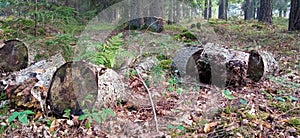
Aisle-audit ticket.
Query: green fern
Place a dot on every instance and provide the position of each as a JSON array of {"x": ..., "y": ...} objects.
[{"x": 105, "y": 52}]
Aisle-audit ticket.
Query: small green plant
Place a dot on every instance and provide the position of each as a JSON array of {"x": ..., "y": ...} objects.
[
  {"x": 157, "y": 72},
  {"x": 180, "y": 127},
  {"x": 87, "y": 99},
  {"x": 22, "y": 116},
  {"x": 295, "y": 122},
  {"x": 96, "y": 116},
  {"x": 174, "y": 85},
  {"x": 269, "y": 96},
  {"x": 227, "y": 94},
  {"x": 67, "y": 113},
  {"x": 227, "y": 110},
  {"x": 284, "y": 82}
]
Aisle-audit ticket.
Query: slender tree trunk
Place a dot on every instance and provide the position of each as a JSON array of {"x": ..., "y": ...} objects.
[
  {"x": 209, "y": 9},
  {"x": 178, "y": 10},
  {"x": 253, "y": 8},
  {"x": 221, "y": 14},
  {"x": 248, "y": 10},
  {"x": 265, "y": 11},
  {"x": 170, "y": 13},
  {"x": 226, "y": 9},
  {"x": 294, "y": 19},
  {"x": 280, "y": 13},
  {"x": 205, "y": 12},
  {"x": 284, "y": 13},
  {"x": 36, "y": 20}
]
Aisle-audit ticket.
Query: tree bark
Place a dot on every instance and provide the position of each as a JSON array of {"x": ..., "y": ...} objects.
[
  {"x": 205, "y": 12},
  {"x": 178, "y": 10},
  {"x": 209, "y": 9},
  {"x": 294, "y": 19},
  {"x": 211, "y": 64},
  {"x": 223, "y": 7},
  {"x": 248, "y": 10},
  {"x": 170, "y": 11},
  {"x": 265, "y": 11}
]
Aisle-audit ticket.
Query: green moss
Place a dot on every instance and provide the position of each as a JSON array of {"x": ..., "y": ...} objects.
[
  {"x": 186, "y": 36},
  {"x": 295, "y": 122},
  {"x": 174, "y": 27},
  {"x": 281, "y": 106},
  {"x": 250, "y": 116},
  {"x": 165, "y": 64}
]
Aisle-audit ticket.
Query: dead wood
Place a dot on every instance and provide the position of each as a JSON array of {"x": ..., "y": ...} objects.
[{"x": 13, "y": 56}]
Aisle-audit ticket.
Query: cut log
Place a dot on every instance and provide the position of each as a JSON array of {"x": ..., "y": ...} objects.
[
  {"x": 73, "y": 86},
  {"x": 13, "y": 55},
  {"x": 80, "y": 85},
  {"x": 213, "y": 64},
  {"x": 261, "y": 64},
  {"x": 28, "y": 87}
]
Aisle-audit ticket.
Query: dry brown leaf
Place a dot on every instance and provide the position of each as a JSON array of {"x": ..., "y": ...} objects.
[
  {"x": 263, "y": 123},
  {"x": 209, "y": 126},
  {"x": 53, "y": 125}
]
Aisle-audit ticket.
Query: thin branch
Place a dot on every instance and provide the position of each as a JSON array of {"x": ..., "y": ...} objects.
[
  {"x": 150, "y": 98},
  {"x": 295, "y": 108}
]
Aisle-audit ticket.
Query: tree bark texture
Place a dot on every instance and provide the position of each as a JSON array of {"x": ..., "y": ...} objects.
[
  {"x": 294, "y": 19},
  {"x": 265, "y": 11}
]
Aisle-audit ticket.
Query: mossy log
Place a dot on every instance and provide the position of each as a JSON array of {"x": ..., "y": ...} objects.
[
  {"x": 13, "y": 56},
  {"x": 213, "y": 64},
  {"x": 80, "y": 85}
]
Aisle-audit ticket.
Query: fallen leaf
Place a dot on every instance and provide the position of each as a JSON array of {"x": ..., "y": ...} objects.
[
  {"x": 252, "y": 111},
  {"x": 209, "y": 126},
  {"x": 227, "y": 94},
  {"x": 53, "y": 125}
]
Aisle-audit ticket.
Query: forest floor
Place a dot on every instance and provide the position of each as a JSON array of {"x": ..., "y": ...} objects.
[{"x": 268, "y": 108}]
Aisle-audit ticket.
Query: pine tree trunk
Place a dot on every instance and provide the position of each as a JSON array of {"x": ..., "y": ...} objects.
[
  {"x": 294, "y": 20},
  {"x": 223, "y": 8},
  {"x": 170, "y": 11},
  {"x": 178, "y": 10},
  {"x": 205, "y": 12},
  {"x": 248, "y": 10},
  {"x": 221, "y": 14},
  {"x": 265, "y": 11},
  {"x": 209, "y": 9}
]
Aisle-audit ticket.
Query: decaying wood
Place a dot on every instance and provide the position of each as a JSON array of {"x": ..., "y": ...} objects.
[
  {"x": 110, "y": 88},
  {"x": 213, "y": 64},
  {"x": 261, "y": 64},
  {"x": 13, "y": 56},
  {"x": 28, "y": 87},
  {"x": 80, "y": 85},
  {"x": 73, "y": 83}
]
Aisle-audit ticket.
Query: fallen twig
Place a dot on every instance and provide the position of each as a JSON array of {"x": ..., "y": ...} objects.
[
  {"x": 150, "y": 98},
  {"x": 288, "y": 111}
]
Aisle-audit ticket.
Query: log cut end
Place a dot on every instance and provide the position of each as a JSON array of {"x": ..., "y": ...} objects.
[
  {"x": 13, "y": 55},
  {"x": 261, "y": 64},
  {"x": 73, "y": 86}
]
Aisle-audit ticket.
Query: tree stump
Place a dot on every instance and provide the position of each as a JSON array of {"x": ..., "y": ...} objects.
[{"x": 13, "y": 55}]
